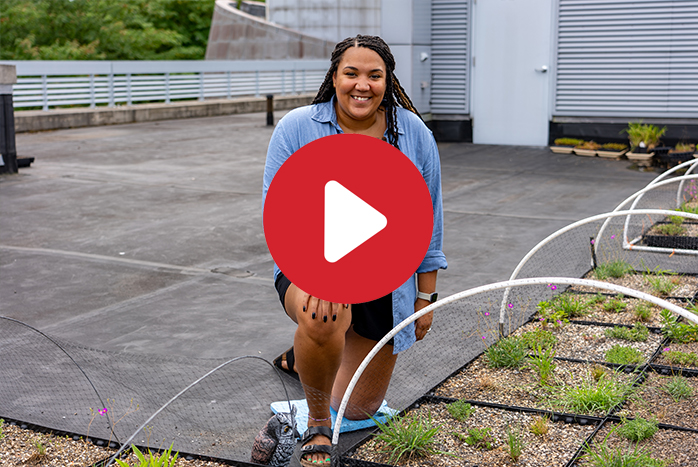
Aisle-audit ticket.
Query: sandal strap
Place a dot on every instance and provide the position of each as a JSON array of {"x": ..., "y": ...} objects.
[
  {"x": 313, "y": 448},
  {"x": 316, "y": 430}
]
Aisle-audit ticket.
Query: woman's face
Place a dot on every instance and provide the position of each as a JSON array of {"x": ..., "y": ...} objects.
[{"x": 359, "y": 82}]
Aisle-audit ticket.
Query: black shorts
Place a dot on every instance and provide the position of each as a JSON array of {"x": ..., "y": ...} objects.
[{"x": 371, "y": 320}]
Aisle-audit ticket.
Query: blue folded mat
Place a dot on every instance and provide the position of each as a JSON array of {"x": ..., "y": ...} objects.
[{"x": 383, "y": 414}]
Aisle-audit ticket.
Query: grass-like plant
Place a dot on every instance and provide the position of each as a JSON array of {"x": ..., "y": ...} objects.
[
  {"x": 598, "y": 372},
  {"x": 676, "y": 357},
  {"x": 542, "y": 361},
  {"x": 623, "y": 355},
  {"x": 540, "y": 337},
  {"x": 567, "y": 141},
  {"x": 614, "y": 146},
  {"x": 460, "y": 410},
  {"x": 615, "y": 269},
  {"x": 166, "y": 459},
  {"x": 678, "y": 332},
  {"x": 602, "y": 455},
  {"x": 638, "y": 429},
  {"x": 509, "y": 352},
  {"x": 673, "y": 230},
  {"x": 2, "y": 422},
  {"x": 408, "y": 436},
  {"x": 539, "y": 426},
  {"x": 643, "y": 312},
  {"x": 479, "y": 438},
  {"x": 615, "y": 305},
  {"x": 515, "y": 444},
  {"x": 571, "y": 305},
  {"x": 678, "y": 388},
  {"x": 592, "y": 396},
  {"x": 638, "y": 333},
  {"x": 661, "y": 284}
]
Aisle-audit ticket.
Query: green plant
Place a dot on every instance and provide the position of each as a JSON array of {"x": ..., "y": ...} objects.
[
  {"x": 542, "y": 362},
  {"x": 514, "y": 443},
  {"x": 685, "y": 147},
  {"x": 592, "y": 396},
  {"x": 672, "y": 230},
  {"x": 40, "y": 448},
  {"x": 479, "y": 438},
  {"x": 601, "y": 455},
  {"x": 623, "y": 355},
  {"x": 567, "y": 142},
  {"x": 678, "y": 332},
  {"x": 638, "y": 429},
  {"x": 614, "y": 146},
  {"x": 509, "y": 352},
  {"x": 615, "y": 305},
  {"x": 661, "y": 284},
  {"x": 615, "y": 269},
  {"x": 166, "y": 459},
  {"x": 408, "y": 436},
  {"x": 2, "y": 422},
  {"x": 678, "y": 388},
  {"x": 597, "y": 299},
  {"x": 598, "y": 372},
  {"x": 690, "y": 209},
  {"x": 643, "y": 312},
  {"x": 643, "y": 133},
  {"x": 675, "y": 357},
  {"x": 539, "y": 426},
  {"x": 460, "y": 410},
  {"x": 676, "y": 220},
  {"x": 638, "y": 333},
  {"x": 539, "y": 337}
]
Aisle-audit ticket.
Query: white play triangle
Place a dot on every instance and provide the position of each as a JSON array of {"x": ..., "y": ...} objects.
[{"x": 349, "y": 221}]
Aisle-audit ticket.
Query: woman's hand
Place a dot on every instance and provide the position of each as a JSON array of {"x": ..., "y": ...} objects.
[
  {"x": 423, "y": 324},
  {"x": 320, "y": 309}
]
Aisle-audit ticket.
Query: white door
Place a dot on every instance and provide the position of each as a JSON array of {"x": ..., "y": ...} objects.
[{"x": 511, "y": 71}]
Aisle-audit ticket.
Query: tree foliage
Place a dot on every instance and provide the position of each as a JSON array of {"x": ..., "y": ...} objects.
[{"x": 104, "y": 29}]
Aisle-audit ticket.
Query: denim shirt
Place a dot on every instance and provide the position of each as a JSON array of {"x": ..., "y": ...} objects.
[{"x": 306, "y": 124}]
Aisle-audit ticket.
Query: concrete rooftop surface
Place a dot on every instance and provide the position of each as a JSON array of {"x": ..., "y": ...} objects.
[{"x": 147, "y": 238}]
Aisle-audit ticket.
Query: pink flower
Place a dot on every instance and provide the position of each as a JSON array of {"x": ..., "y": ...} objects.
[
  {"x": 511, "y": 305},
  {"x": 552, "y": 286},
  {"x": 487, "y": 313},
  {"x": 612, "y": 237},
  {"x": 103, "y": 411},
  {"x": 483, "y": 337},
  {"x": 666, "y": 349},
  {"x": 592, "y": 241}
]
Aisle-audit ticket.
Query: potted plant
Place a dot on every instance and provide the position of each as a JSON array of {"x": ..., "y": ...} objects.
[
  {"x": 643, "y": 139},
  {"x": 681, "y": 153},
  {"x": 612, "y": 150},
  {"x": 565, "y": 145},
  {"x": 587, "y": 148}
]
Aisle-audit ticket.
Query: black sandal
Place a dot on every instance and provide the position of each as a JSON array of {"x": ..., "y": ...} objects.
[
  {"x": 310, "y": 449},
  {"x": 290, "y": 360}
]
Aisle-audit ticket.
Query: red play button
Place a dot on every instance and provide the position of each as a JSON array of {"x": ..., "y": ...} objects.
[{"x": 348, "y": 218}]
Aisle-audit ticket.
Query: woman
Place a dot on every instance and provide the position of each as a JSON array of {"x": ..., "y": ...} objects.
[{"x": 361, "y": 95}]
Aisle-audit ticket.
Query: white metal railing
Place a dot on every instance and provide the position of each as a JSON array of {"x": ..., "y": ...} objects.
[{"x": 48, "y": 83}]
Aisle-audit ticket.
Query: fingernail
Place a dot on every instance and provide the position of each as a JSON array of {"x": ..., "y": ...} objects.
[
  {"x": 334, "y": 317},
  {"x": 324, "y": 318},
  {"x": 313, "y": 315},
  {"x": 304, "y": 308},
  {"x": 346, "y": 306}
]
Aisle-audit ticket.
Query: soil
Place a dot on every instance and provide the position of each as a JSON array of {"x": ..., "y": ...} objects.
[
  {"x": 687, "y": 348},
  {"x": 686, "y": 286}
]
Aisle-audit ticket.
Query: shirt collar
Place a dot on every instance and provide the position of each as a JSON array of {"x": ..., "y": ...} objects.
[{"x": 324, "y": 113}]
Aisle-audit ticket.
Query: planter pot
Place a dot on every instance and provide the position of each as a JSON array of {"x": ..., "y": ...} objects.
[
  {"x": 585, "y": 152},
  {"x": 662, "y": 150},
  {"x": 667, "y": 241},
  {"x": 562, "y": 149},
  {"x": 675, "y": 158},
  {"x": 611, "y": 154},
  {"x": 641, "y": 159}
]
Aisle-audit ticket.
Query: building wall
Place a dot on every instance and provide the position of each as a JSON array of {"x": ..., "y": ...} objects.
[
  {"x": 331, "y": 20},
  {"x": 236, "y": 35}
]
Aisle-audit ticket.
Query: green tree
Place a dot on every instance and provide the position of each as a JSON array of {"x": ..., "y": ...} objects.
[{"x": 104, "y": 29}]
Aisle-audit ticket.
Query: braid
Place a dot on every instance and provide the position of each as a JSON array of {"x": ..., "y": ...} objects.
[{"x": 394, "y": 92}]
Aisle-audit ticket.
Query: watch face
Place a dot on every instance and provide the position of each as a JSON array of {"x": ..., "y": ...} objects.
[{"x": 434, "y": 297}]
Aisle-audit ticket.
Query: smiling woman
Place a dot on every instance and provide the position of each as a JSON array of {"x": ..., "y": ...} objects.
[{"x": 360, "y": 95}]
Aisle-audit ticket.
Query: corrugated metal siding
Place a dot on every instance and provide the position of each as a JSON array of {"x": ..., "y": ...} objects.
[
  {"x": 635, "y": 58},
  {"x": 450, "y": 55}
]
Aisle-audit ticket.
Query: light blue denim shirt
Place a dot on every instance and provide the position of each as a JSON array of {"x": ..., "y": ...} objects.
[{"x": 306, "y": 124}]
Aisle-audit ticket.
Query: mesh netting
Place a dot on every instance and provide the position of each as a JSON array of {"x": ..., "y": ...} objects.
[{"x": 64, "y": 387}]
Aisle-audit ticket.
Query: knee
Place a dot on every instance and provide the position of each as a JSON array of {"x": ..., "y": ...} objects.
[{"x": 321, "y": 333}]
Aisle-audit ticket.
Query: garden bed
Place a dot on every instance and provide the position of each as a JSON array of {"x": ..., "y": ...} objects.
[
  {"x": 681, "y": 355},
  {"x": 660, "y": 285}
]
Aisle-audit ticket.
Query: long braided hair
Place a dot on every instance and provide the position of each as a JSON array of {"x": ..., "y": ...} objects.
[{"x": 394, "y": 93}]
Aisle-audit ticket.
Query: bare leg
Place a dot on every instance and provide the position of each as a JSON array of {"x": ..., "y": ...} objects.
[
  {"x": 318, "y": 346},
  {"x": 369, "y": 392}
]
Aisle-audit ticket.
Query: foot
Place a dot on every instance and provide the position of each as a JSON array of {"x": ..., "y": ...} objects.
[
  {"x": 286, "y": 361},
  {"x": 316, "y": 446}
]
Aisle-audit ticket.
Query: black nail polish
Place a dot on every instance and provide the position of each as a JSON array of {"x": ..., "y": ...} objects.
[
  {"x": 303, "y": 307},
  {"x": 324, "y": 318},
  {"x": 346, "y": 306},
  {"x": 334, "y": 317},
  {"x": 313, "y": 316}
]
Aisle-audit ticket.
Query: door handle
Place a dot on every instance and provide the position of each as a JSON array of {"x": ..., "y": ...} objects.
[{"x": 543, "y": 69}]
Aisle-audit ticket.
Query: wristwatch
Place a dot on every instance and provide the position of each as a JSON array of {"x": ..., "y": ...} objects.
[{"x": 429, "y": 297}]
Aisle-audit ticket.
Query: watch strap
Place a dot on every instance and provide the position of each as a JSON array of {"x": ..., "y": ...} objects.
[{"x": 429, "y": 297}]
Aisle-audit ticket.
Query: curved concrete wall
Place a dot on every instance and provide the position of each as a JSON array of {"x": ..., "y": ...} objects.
[{"x": 236, "y": 35}]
